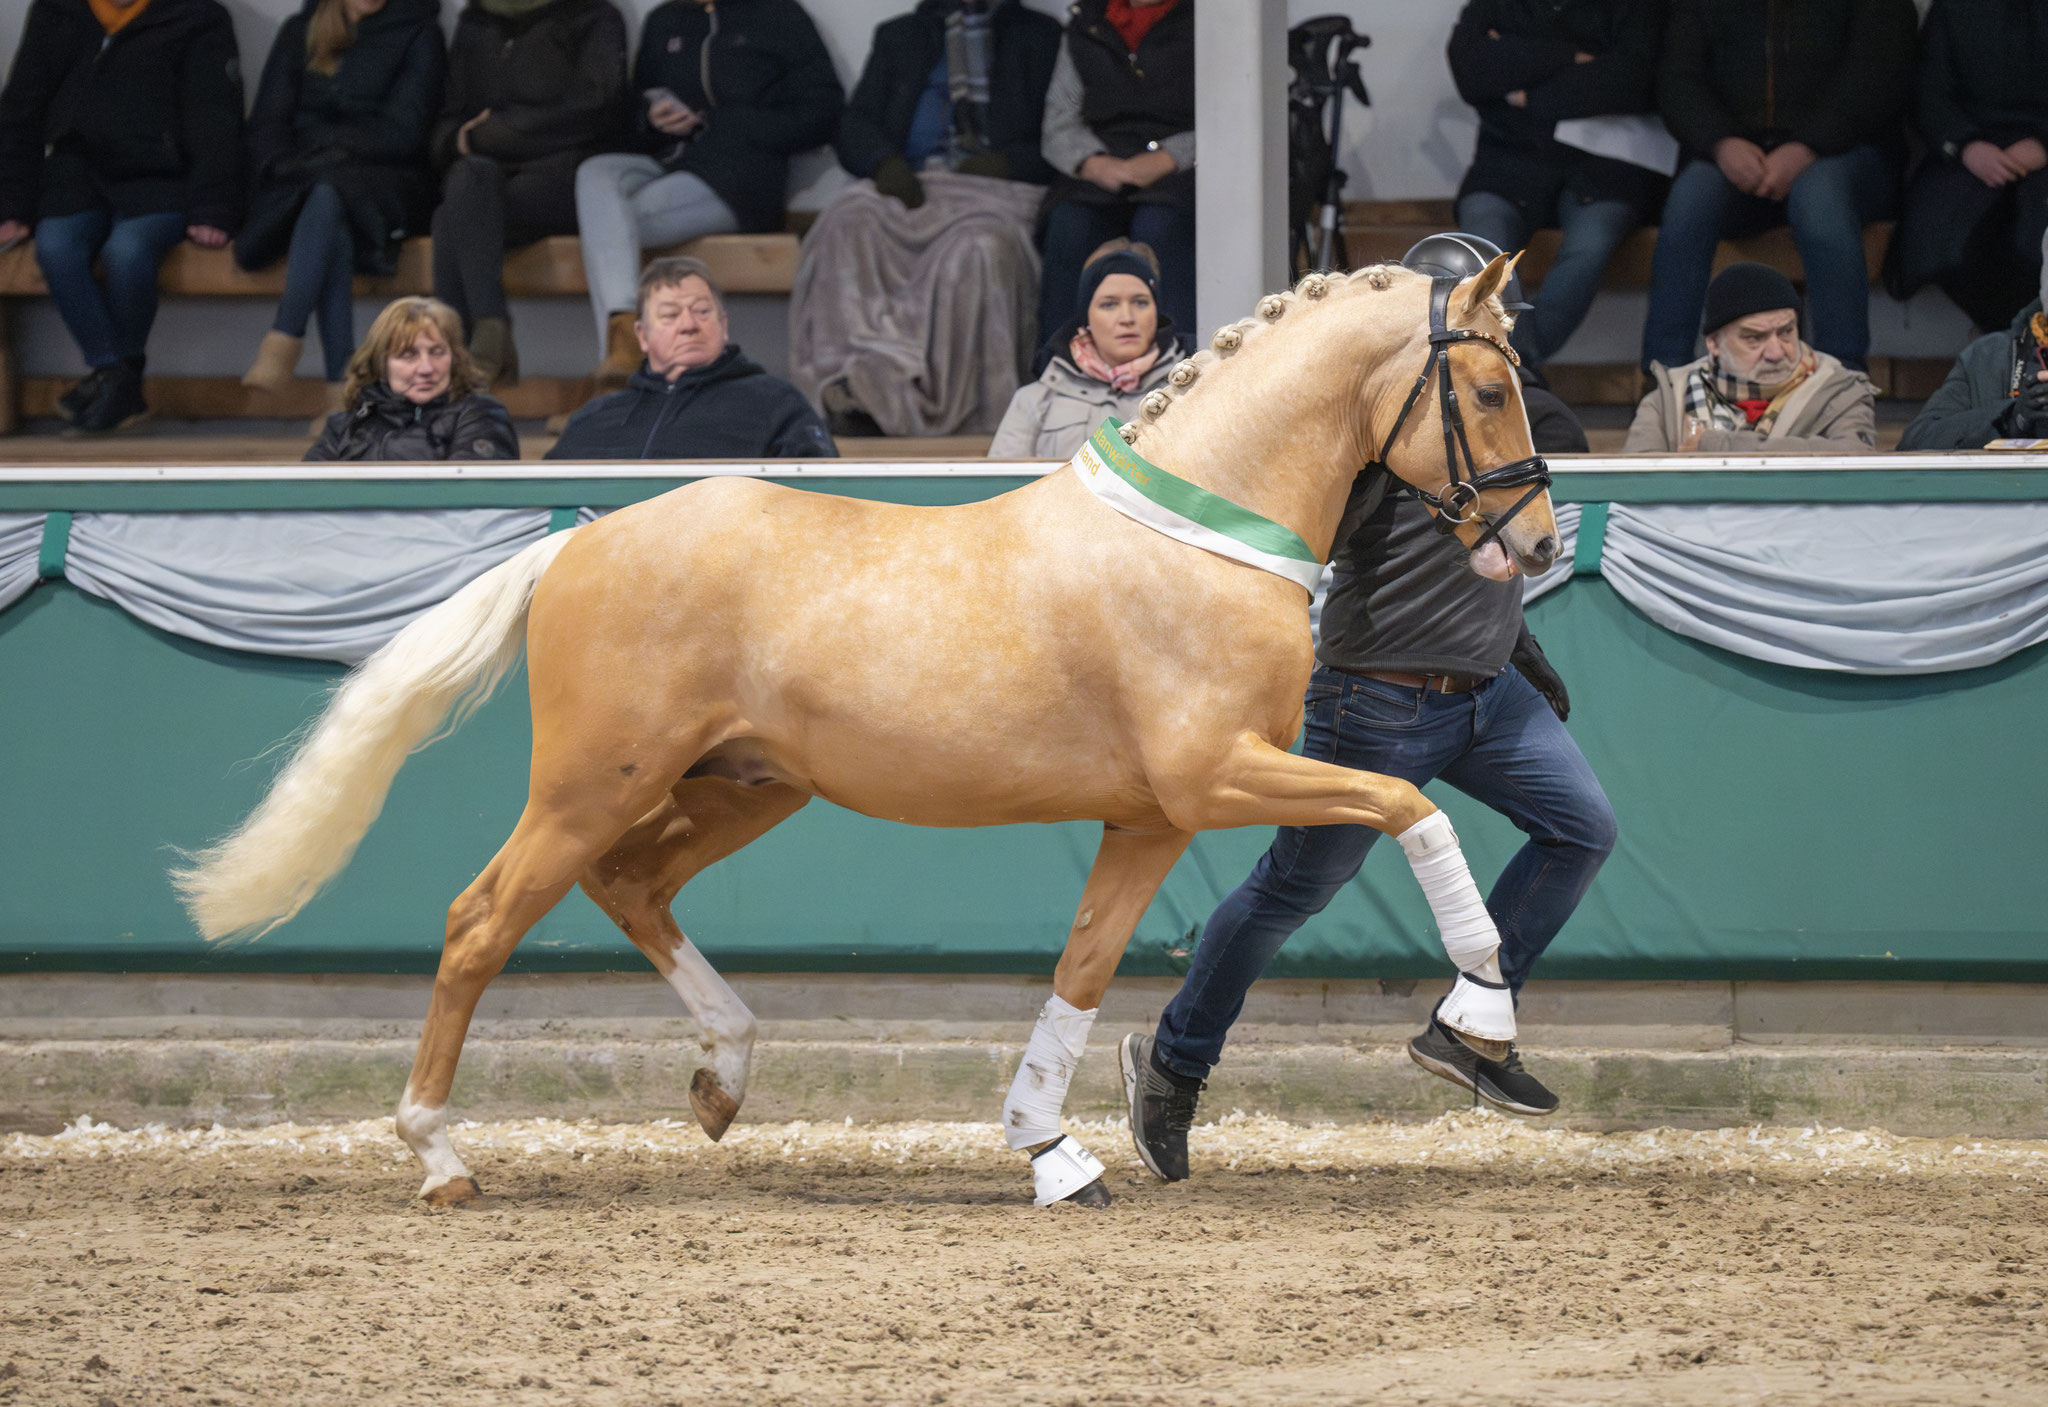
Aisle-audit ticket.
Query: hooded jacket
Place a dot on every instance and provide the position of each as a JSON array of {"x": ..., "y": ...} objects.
[
  {"x": 145, "y": 121},
  {"x": 361, "y": 129},
  {"x": 553, "y": 77},
  {"x": 900, "y": 61},
  {"x": 1965, "y": 411},
  {"x": 1052, "y": 416},
  {"x": 761, "y": 76},
  {"x": 1834, "y": 411},
  {"x": 731, "y": 409},
  {"x": 386, "y": 426}
]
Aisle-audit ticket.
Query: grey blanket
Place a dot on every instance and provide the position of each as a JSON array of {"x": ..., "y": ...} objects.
[{"x": 925, "y": 318}]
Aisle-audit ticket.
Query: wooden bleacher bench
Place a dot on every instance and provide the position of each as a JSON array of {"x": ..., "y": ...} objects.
[{"x": 548, "y": 268}]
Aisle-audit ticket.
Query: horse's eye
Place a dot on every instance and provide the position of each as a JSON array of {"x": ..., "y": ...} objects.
[{"x": 1492, "y": 396}]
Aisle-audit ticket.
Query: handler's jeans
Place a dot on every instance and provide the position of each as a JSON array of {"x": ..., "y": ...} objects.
[{"x": 1499, "y": 744}]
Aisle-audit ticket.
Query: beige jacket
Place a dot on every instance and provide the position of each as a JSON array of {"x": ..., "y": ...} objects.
[
  {"x": 1051, "y": 417},
  {"x": 1834, "y": 412}
]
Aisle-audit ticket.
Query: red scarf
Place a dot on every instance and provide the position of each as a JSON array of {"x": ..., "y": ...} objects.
[{"x": 1133, "y": 22}]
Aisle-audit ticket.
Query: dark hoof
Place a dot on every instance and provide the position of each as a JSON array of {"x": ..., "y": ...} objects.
[
  {"x": 1095, "y": 1194},
  {"x": 713, "y": 1107}
]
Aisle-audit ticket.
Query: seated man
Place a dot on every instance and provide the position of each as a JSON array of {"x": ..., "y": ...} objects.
[
  {"x": 1759, "y": 389},
  {"x": 1998, "y": 388},
  {"x": 696, "y": 396},
  {"x": 1788, "y": 114}
]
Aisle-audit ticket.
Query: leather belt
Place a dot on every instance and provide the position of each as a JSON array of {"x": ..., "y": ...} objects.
[{"x": 1432, "y": 683}]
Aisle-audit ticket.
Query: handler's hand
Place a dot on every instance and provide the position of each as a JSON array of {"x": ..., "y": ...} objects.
[{"x": 1533, "y": 665}]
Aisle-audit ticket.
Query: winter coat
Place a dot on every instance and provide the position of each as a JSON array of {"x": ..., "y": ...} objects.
[
  {"x": 1830, "y": 73},
  {"x": 1833, "y": 412},
  {"x": 554, "y": 79},
  {"x": 1051, "y": 417},
  {"x": 1981, "y": 75},
  {"x": 1127, "y": 101},
  {"x": 386, "y": 426},
  {"x": 900, "y": 62},
  {"x": 362, "y": 129},
  {"x": 145, "y": 121},
  {"x": 1966, "y": 410},
  {"x": 761, "y": 76},
  {"x": 1516, "y": 157},
  {"x": 731, "y": 409}
]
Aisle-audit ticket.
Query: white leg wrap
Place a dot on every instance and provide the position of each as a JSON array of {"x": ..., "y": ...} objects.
[
  {"x": 1061, "y": 1170},
  {"x": 1032, "y": 1112},
  {"x": 1468, "y": 932}
]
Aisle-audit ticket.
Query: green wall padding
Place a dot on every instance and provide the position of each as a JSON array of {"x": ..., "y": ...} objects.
[{"x": 1774, "y": 823}]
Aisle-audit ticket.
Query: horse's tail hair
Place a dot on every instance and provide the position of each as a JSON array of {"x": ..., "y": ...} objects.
[{"x": 417, "y": 689}]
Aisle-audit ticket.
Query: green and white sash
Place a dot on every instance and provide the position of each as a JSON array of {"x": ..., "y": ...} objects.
[{"x": 1142, "y": 491}]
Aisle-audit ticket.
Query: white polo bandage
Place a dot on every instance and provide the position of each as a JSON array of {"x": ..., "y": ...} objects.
[
  {"x": 1031, "y": 1114},
  {"x": 1461, "y": 918}
]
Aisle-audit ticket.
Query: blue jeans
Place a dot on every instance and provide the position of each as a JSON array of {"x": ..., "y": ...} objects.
[
  {"x": 1499, "y": 744},
  {"x": 109, "y": 323},
  {"x": 319, "y": 277},
  {"x": 1074, "y": 230},
  {"x": 1827, "y": 207},
  {"x": 1592, "y": 231}
]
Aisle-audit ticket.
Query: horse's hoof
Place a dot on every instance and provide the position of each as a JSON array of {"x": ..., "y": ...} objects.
[
  {"x": 713, "y": 1107},
  {"x": 1095, "y": 1194},
  {"x": 450, "y": 1192}
]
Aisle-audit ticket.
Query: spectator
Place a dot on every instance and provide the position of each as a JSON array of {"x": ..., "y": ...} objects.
[
  {"x": 1998, "y": 388},
  {"x": 338, "y": 152},
  {"x": 120, "y": 135},
  {"x": 1789, "y": 114},
  {"x": 1120, "y": 133},
  {"x": 1976, "y": 207},
  {"x": 414, "y": 394},
  {"x": 1101, "y": 361},
  {"x": 534, "y": 87},
  {"x": 913, "y": 311},
  {"x": 731, "y": 91},
  {"x": 696, "y": 396},
  {"x": 1526, "y": 65},
  {"x": 1759, "y": 389}
]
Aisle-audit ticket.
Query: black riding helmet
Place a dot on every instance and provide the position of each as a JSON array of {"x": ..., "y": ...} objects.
[{"x": 1457, "y": 255}]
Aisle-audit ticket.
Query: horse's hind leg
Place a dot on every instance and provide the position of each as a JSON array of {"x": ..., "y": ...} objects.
[{"x": 702, "y": 821}]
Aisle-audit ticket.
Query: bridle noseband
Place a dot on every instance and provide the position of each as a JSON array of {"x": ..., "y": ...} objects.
[{"x": 1459, "y": 502}]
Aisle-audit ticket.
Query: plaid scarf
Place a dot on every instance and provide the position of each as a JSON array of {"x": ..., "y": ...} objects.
[
  {"x": 1122, "y": 379},
  {"x": 970, "y": 42},
  {"x": 1722, "y": 402}
]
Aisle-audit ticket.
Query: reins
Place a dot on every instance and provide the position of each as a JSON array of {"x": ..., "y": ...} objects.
[{"x": 1459, "y": 502}]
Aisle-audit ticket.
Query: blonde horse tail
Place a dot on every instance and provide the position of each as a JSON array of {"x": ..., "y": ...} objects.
[{"x": 416, "y": 690}]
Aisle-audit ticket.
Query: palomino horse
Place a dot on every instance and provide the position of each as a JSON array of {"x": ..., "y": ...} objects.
[{"x": 702, "y": 664}]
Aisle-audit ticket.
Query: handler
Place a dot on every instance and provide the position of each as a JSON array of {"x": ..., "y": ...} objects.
[{"x": 1425, "y": 669}]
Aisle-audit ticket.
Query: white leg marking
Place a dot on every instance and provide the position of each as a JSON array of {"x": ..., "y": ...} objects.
[
  {"x": 425, "y": 1130},
  {"x": 728, "y": 1027}
]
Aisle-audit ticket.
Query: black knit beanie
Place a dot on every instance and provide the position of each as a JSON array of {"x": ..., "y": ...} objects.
[{"x": 1742, "y": 289}]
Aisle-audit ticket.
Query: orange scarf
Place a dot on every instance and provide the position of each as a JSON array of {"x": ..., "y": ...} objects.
[{"x": 113, "y": 19}]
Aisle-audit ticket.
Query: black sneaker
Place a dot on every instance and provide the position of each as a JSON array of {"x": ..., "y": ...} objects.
[
  {"x": 118, "y": 402},
  {"x": 73, "y": 402},
  {"x": 1501, "y": 1083},
  {"x": 1162, "y": 1105}
]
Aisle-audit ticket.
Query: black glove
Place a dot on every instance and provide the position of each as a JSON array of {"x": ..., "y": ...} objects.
[
  {"x": 894, "y": 177},
  {"x": 992, "y": 164},
  {"x": 2027, "y": 417},
  {"x": 1528, "y": 657}
]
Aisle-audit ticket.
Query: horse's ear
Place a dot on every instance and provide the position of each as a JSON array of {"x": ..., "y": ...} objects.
[{"x": 1484, "y": 284}]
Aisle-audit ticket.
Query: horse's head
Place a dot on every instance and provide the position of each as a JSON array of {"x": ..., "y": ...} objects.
[{"x": 1458, "y": 433}]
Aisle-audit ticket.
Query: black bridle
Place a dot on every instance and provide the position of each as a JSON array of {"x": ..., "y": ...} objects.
[{"x": 1459, "y": 502}]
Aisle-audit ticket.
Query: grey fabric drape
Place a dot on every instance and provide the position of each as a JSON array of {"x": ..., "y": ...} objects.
[
  {"x": 329, "y": 586},
  {"x": 21, "y": 542},
  {"x": 1560, "y": 572}
]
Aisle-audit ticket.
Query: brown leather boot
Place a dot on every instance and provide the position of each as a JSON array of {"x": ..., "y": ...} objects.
[
  {"x": 277, "y": 359},
  {"x": 622, "y": 355},
  {"x": 495, "y": 353}
]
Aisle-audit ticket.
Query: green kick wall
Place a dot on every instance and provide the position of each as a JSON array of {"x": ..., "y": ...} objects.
[{"x": 1774, "y": 823}]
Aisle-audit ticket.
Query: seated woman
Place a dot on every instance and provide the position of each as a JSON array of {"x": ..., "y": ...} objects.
[
  {"x": 1100, "y": 362},
  {"x": 120, "y": 136},
  {"x": 414, "y": 394},
  {"x": 338, "y": 150}
]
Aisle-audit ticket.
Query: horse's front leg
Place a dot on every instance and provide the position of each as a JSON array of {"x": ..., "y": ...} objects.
[
  {"x": 1259, "y": 784},
  {"x": 1129, "y": 867}
]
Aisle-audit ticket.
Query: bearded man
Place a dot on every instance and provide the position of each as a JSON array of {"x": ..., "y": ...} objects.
[{"x": 1760, "y": 389}]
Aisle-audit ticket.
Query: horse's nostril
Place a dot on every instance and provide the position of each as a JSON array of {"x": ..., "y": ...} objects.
[{"x": 1546, "y": 548}]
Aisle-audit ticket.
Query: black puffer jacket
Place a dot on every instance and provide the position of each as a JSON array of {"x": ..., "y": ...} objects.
[
  {"x": 1833, "y": 74},
  {"x": 901, "y": 59},
  {"x": 386, "y": 426},
  {"x": 1130, "y": 99},
  {"x": 145, "y": 121},
  {"x": 1516, "y": 157},
  {"x": 1983, "y": 73},
  {"x": 554, "y": 79},
  {"x": 731, "y": 409},
  {"x": 361, "y": 129},
  {"x": 759, "y": 72}
]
